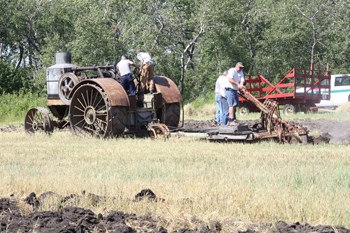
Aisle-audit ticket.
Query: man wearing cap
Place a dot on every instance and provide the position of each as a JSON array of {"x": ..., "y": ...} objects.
[
  {"x": 126, "y": 75},
  {"x": 146, "y": 72},
  {"x": 235, "y": 82}
]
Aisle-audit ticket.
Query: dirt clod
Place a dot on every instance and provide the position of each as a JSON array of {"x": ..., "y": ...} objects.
[
  {"x": 145, "y": 194},
  {"x": 74, "y": 219}
]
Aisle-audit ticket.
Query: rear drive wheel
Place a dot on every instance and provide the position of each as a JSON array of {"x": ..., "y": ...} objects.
[
  {"x": 171, "y": 114},
  {"x": 91, "y": 114},
  {"x": 38, "y": 120},
  {"x": 288, "y": 109}
]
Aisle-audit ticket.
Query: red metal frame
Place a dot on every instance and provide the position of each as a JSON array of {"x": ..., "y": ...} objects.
[{"x": 298, "y": 86}]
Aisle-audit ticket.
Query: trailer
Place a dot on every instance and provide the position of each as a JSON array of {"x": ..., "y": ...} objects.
[{"x": 299, "y": 91}]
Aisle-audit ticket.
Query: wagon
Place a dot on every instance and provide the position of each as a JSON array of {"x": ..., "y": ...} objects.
[{"x": 298, "y": 91}]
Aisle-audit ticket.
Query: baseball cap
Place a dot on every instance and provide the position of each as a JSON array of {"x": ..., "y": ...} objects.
[{"x": 239, "y": 64}]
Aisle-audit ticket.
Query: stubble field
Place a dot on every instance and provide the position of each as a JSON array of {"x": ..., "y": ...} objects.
[{"x": 198, "y": 185}]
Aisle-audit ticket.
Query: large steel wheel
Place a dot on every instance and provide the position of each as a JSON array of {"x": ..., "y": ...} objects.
[
  {"x": 171, "y": 114},
  {"x": 38, "y": 120},
  {"x": 91, "y": 114},
  {"x": 65, "y": 85}
]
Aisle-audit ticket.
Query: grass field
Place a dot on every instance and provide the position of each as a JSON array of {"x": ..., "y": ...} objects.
[{"x": 262, "y": 182}]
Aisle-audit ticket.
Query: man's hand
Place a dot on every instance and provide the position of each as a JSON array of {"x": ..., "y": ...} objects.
[{"x": 240, "y": 86}]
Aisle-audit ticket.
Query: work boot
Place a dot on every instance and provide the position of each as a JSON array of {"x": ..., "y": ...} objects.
[{"x": 232, "y": 123}]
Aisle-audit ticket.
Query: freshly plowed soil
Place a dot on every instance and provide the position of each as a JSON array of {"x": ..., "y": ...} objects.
[{"x": 78, "y": 220}]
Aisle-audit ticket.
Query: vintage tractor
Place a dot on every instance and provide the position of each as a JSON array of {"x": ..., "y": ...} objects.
[{"x": 91, "y": 100}]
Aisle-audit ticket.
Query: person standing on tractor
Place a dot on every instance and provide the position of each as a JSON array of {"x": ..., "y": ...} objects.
[
  {"x": 146, "y": 71},
  {"x": 126, "y": 76},
  {"x": 235, "y": 77}
]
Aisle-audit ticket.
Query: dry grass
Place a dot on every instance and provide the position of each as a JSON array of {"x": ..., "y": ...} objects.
[
  {"x": 213, "y": 181},
  {"x": 206, "y": 110},
  {"x": 344, "y": 108}
]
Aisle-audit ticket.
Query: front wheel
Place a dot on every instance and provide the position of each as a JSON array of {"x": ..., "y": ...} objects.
[{"x": 38, "y": 120}]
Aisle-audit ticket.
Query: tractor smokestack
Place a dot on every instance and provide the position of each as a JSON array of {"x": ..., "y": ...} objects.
[{"x": 63, "y": 58}]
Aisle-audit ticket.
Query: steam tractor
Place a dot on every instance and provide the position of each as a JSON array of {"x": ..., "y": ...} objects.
[{"x": 91, "y": 100}]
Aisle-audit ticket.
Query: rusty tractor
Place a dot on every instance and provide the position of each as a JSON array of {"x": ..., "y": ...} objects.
[{"x": 91, "y": 101}]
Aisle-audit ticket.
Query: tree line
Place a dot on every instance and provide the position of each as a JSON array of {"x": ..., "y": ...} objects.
[{"x": 192, "y": 41}]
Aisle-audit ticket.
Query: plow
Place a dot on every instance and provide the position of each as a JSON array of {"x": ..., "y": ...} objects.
[
  {"x": 271, "y": 126},
  {"x": 91, "y": 101}
]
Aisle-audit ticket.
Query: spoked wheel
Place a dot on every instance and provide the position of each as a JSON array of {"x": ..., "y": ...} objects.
[
  {"x": 90, "y": 113},
  {"x": 65, "y": 85},
  {"x": 38, "y": 120},
  {"x": 158, "y": 129}
]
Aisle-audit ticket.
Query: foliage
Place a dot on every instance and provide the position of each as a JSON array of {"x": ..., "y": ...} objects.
[
  {"x": 12, "y": 80},
  {"x": 13, "y": 107},
  {"x": 192, "y": 42}
]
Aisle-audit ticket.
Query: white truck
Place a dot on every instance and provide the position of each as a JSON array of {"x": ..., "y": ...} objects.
[{"x": 339, "y": 92}]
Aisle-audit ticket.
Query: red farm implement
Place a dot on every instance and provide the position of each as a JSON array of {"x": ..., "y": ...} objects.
[{"x": 298, "y": 91}]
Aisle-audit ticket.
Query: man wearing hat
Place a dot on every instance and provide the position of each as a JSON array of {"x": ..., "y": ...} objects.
[
  {"x": 146, "y": 72},
  {"x": 235, "y": 82}
]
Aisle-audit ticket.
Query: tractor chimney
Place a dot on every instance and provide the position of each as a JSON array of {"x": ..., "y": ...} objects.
[{"x": 63, "y": 58}]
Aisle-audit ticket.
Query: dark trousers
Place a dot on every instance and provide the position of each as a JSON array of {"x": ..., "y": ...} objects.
[{"x": 128, "y": 84}]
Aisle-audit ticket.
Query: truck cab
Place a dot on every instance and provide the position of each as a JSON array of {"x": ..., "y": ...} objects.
[{"x": 339, "y": 92}]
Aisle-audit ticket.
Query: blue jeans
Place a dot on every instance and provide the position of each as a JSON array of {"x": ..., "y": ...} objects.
[
  {"x": 224, "y": 111},
  {"x": 232, "y": 97},
  {"x": 218, "y": 109},
  {"x": 128, "y": 84}
]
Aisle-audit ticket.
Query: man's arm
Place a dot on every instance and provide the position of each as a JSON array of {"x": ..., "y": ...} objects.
[
  {"x": 239, "y": 85},
  {"x": 242, "y": 81},
  {"x": 232, "y": 81},
  {"x": 132, "y": 63}
]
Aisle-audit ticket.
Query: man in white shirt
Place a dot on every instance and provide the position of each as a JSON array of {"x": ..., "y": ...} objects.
[
  {"x": 235, "y": 77},
  {"x": 220, "y": 99},
  {"x": 146, "y": 71},
  {"x": 126, "y": 76}
]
